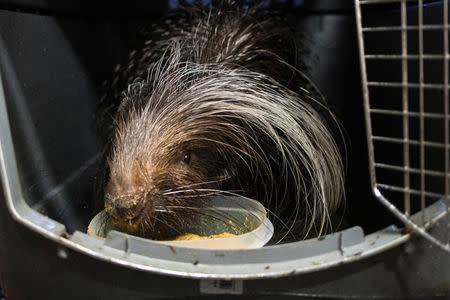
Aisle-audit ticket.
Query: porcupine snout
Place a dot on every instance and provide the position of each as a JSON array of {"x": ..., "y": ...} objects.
[{"x": 124, "y": 204}]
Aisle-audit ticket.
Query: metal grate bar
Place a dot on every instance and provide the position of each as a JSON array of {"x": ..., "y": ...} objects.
[
  {"x": 421, "y": 105},
  {"x": 408, "y": 56},
  {"x": 411, "y": 170},
  {"x": 432, "y": 86},
  {"x": 410, "y": 142},
  {"x": 410, "y": 191},
  {"x": 409, "y": 113},
  {"x": 446, "y": 108},
  {"x": 405, "y": 28},
  {"x": 406, "y": 179}
]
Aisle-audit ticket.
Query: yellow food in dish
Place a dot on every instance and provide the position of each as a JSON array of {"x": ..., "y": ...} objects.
[{"x": 191, "y": 236}]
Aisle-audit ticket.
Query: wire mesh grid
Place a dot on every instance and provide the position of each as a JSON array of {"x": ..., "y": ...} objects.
[{"x": 404, "y": 52}]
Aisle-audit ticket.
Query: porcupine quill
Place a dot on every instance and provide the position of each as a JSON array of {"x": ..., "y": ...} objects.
[{"x": 215, "y": 102}]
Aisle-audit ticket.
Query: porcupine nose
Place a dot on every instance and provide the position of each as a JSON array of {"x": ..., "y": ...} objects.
[{"x": 123, "y": 204}]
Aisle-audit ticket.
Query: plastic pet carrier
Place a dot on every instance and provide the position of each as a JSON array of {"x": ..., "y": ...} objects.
[{"x": 382, "y": 65}]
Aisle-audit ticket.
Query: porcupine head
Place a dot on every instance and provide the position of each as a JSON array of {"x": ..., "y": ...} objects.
[{"x": 217, "y": 108}]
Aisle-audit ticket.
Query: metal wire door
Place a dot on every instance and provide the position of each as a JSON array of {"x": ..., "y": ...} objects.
[{"x": 404, "y": 53}]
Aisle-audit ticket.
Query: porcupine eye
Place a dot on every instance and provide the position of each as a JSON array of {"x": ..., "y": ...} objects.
[{"x": 186, "y": 158}]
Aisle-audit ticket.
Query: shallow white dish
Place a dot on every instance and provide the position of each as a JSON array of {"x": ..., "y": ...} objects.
[{"x": 254, "y": 231}]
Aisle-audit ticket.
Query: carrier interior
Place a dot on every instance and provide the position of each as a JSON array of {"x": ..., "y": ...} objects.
[{"x": 53, "y": 63}]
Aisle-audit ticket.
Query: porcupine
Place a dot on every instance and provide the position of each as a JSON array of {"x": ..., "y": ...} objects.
[{"x": 215, "y": 102}]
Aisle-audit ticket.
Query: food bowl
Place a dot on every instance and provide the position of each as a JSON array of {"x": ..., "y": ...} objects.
[{"x": 244, "y": 220}]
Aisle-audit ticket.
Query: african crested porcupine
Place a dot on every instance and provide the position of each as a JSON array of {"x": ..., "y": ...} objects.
[{"x": 214, "y": 103}]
